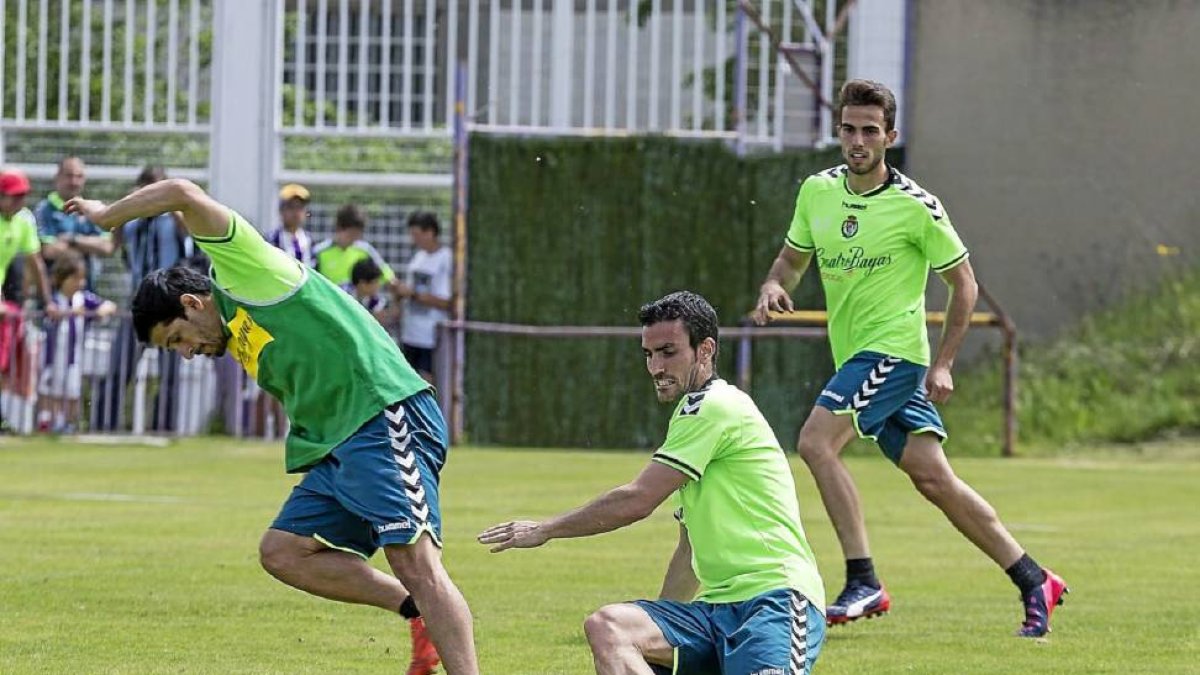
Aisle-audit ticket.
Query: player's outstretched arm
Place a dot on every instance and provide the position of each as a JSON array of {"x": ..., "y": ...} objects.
[
  {"x": 203, "y": 216},
  {"x": 782, "y": 279},
  {"x": 614, "y": 509},
  {"x": 680, "y": 583}
]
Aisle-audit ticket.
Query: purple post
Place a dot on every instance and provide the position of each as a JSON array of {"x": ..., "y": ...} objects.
[
  {"x": 457, "y": 410},
  {"x": 739, "y": 81}
]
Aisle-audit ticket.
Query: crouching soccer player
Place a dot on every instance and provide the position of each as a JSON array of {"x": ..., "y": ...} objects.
[{"x": 741, "y": 593}]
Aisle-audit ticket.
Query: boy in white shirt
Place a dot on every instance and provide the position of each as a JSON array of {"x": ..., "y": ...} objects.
[{"x": 427, "y": 292}]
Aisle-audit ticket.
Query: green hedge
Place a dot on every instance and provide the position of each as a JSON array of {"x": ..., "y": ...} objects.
[{"x": 583, "y": 232}]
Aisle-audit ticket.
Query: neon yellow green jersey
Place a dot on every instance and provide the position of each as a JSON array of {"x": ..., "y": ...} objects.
[
  {"x": 18, "y": 236},
  {"x": 336, "y": 263},
  {"x": 740, "y": 506},
  {"x": 305, "y": 341},
  {"x": 874, "y": 252}
]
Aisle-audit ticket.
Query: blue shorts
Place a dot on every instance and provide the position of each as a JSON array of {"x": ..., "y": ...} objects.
[
  {"x": 887, "y": 399},
  {"x": 776, "y": 632},
  {"x": 378, "y": 487}
]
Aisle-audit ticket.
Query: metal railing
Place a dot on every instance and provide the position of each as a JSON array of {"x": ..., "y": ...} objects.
[
  {"x": 387, "y": 67},
  {"x": 86, "y": 373},
  {"x": 804, "y": 325},
  {"x": 148, "y": 63}
]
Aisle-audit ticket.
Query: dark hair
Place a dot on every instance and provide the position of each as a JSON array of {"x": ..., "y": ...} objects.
[
  {"x": 364, "y": 270},
  {"x": 349, "y": 216},
  {"x": 151, "y": 174},
  {"x": 66, "y": 159},
  {"x": 693, "y": 310},
  {"x": 66, "y": 265},
  {"x": 425, "y": 220},
  {"x": 157, "y": 299},
  {"x": 868, "y": 92}
]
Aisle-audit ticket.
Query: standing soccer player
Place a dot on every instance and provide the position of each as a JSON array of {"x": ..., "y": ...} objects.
[
  {"x": 741, "y": 544},
  {"x": 876, "y": 234},
  {"x": 364, "y": 427}
]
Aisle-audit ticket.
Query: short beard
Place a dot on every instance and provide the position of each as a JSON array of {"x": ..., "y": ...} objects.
[{"x": 874, "y": 165}]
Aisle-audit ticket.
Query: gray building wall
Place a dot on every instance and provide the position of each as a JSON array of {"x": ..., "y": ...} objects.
[{"x": 1062, "y": 136}]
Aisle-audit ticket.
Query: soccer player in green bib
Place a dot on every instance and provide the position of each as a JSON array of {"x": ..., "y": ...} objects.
[
  {"x": 741, "y": 594},
  {"x": 875, "y": 234},
  {"x": 365, "y": 428}
]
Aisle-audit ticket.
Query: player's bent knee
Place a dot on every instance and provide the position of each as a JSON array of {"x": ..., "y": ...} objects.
[
  {"x": 603, "y": 627},
  {"x": 276, "y": 553}
]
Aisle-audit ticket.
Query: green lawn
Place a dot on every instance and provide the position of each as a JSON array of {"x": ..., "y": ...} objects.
[{"x": 143, "y": 560}]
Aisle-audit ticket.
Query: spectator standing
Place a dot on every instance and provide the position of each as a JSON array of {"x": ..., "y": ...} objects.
[
  {"x": 147, "y": 244},
  {"x": 62, "y": 232},
  {"x": 427, "y": 292},
  {"x": 291, "y": 237}
]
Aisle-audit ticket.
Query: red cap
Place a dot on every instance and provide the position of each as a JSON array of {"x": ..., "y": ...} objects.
[{"x": 13, "y": 182}]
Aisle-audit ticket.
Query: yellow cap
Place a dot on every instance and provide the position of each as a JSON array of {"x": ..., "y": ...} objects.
[{"x": 293, "y": 191}]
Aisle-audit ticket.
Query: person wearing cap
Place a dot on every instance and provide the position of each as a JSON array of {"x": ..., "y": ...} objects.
[
  {"x": 19, "y": 242},
  {"x": 63, "y": 232},
  {"x": 18, "y": 230},
  {"x": 291, "y": 237}
]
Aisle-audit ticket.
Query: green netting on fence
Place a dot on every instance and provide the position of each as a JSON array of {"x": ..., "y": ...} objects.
[{"x": 582, "y": 232}]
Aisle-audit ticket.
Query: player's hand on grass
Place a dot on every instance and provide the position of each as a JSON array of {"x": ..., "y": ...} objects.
[
  {"x": 771, "y": 298},
  {"x": 515, "y": 534},
  {"x": 92, "y": 209},
  {"x": 939, "y": 383}
]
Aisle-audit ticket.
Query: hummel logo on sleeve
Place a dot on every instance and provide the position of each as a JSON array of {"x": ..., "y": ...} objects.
[
  {"x": 909, "y": 187},
  {"x": 691, "y": 406}
]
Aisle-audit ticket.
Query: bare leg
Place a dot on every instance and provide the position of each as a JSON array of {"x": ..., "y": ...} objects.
[
  {"x": 624, "y": 638},
  {"x": 447, "y": 617},
  {"x": 822, "y": 440},
  {"x": 926, "y": 465},
  {"x": 307, "y": 564}
]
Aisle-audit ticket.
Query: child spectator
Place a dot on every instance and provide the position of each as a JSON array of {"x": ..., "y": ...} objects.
[
  {"x": 61, "y": 378},
  {"x": 366, "y": 283},
  {"x": 427, "y": 292}
]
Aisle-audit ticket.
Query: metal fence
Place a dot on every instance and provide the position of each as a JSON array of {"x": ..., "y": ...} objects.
[
  {"x": 800, "y": 325},
  {"x": 361, "y": 100},
  {"x": 555, "y": 66},
  {"x": 85, "y": 373}
]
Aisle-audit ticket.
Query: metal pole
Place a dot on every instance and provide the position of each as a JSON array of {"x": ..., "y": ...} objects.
[
  {"x": 1010, "y": 390},
  {"x": 460, "y": 250},
  {"x": 244, "y": 139},
  {"x": 1010, "y": 371},
  {"x": 739, "y": 80},
  {"x": 562, "y": 48},
  {"x": 744, "y": 359},
  {"x": 444, "y": 365}
]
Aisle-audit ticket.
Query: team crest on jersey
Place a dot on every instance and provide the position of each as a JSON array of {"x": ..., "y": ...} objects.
[
  {"x": 850, "y": 226},
  {"x": 248, "y": 341}
]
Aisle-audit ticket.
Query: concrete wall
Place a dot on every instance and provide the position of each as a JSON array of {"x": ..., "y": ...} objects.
[{"x": 1063, "y": 138}]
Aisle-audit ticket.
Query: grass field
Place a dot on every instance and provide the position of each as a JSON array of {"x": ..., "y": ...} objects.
[{"x": 143, "y": 560}]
